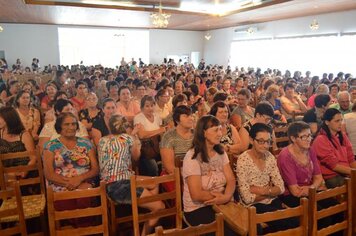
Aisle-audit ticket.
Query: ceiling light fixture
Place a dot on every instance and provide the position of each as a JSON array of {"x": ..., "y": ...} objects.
[
  {"x": 1, "y": 29},
  {"x": 160, "y": 19},
  {"x": 314, "y": 25},
  {"x": 207, "y": 36},
  {"x": 251, "y": 30}
]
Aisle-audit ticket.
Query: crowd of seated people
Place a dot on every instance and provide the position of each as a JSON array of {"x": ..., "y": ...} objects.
[{"x": 91, "y": 123}]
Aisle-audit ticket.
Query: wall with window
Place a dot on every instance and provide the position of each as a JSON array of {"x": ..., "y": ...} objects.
[
  {"x": 75, "y": 44},
  {"x": 338, "y": 23}
]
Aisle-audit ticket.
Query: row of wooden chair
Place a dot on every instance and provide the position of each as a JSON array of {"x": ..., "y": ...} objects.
[{"x": 11, "y": 193}]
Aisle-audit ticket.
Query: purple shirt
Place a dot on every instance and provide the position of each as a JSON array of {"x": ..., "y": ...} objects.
[{"x": 294, "y": 173}]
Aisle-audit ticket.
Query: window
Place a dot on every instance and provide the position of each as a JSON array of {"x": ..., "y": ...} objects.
[
  {"x": 327, "y": 54},
  {"x": 102, "y": 46}
]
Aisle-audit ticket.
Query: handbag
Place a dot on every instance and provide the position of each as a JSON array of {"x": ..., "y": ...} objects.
[{"x": 150, "y": 147}]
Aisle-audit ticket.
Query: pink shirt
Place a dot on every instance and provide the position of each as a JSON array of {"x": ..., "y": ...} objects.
[
  {"x": 131, "y": 112},
  {"x": 329, "y": 156}
]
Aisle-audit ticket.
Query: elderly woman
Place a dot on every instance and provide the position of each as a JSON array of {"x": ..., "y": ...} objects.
[
  {"x": 258, "y": 177},
  {"x": 162, "y": 108},
  {"x": 299, "y": 165},
  {"x": 334, "y": 150},
  {"x": 272, "y": 96},
  {"x": 230, "y": 137},
  {"x": 243, "y": 112},
  {"x": 207, "y": 175},
  {"x": 92, "y": 112},
  {"x": 149, "y": 134},
  {"x": 69, "y": 164},
  {"x": 116, "y": 153},
  {"x": 30, "y": 116}
]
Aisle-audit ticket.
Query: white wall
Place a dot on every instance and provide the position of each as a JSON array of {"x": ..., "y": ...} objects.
[
  {"x": 26, "y": 41},
  {"x": 174, "y": 42},
  {"x": 217, "y": 49}
]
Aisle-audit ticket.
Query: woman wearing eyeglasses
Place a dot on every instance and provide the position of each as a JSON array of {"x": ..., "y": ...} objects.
[
  {"x": 259, "y": 180},
  {"x": 299, "y": 165}
]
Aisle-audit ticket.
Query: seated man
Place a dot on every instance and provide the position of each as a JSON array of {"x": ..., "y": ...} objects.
[
  {"x": 344, "y": 104},
  {"x": 49, "y": 132}
]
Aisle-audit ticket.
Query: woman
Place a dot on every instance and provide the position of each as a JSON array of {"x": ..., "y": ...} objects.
[
  {"x": 207, "y": 176},
  {"x": 28, "y": 87},
  {"x": 230, "y": 137},
  {"x": 14, "y": 138},
  {"x": 258, "y": 177},
  {"x": 334, "y": 150},
  {"x": 263, "y": 114},
  {"x": 48, "y": 100},
  {"x": 113, "y": 88},
  {"x": 243, "y": 112},
  {"x": 89, "y": 115},
  {"x": 149, "y": 134},
  {"x": 272, "y": 96},
  {"x": 291, "y": 102},
  {"x": 350, "y": 128},
  {"x": 69, "y": 164},
  {"x": 8, "y": 95},
  {"x": 126, "y": 106},
  {"x": 100, "y": 126},
  {"x": 334, "y": 90},
  {"x": 115, "y": 153},
  {"x": 209, "y": 98},
  {"x": 162, "y": 108},
  {"x": 140, "y": 92},
  {"x": 30, "y": 116},
  {"x": 201, "y": 85},
  {"x": 81, "y": 92},
  {"x": 299, "y": 165}
]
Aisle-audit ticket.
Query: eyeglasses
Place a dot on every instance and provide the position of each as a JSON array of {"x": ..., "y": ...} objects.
[
  {"x": 262, "y": 141},
  {"x": 305, "y": 137}
]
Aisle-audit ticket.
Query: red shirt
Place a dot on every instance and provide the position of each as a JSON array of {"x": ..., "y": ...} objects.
[{"x": 329, "y": 156}]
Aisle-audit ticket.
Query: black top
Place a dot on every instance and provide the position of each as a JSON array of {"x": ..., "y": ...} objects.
[{"x": 100, "y": 125}]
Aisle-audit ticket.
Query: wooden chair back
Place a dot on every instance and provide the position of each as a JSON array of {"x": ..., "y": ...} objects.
[
  {"x": 344, "y": 196},
  {"x": 174, "y": 210},
  {"x": 8, "y": 174},
  {"x": 216, "y": 227},
  {"x": 281, "y": 138},
  {"x": 301, "y": 211},
  {"x": 20, "y": 227},
  {"x": 55, "y": 216},
  {"x": 353, "y": 190}
]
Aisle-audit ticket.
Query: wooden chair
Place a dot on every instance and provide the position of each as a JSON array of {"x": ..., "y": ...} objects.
[
  {"x": 353, "y": 190},
  {"x": 16, "y": 212},
  {"x": 235, "y": 215},
  {"x": 216, "y": 227},
  {"x": 344, "y": 195},
  {"x": 175, "y": 210},
  {"x": 300, "y": 211},
  {"x": 54, "y": 216},
  {"x": 33, "y": 205},
  {"x": 281, "y": 138}
]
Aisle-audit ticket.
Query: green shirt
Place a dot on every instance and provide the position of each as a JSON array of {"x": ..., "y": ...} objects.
[{"x": 343, "y": 112}]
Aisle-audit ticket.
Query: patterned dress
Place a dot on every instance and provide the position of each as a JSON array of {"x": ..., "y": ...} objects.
[{"x": 69, "y": 162}]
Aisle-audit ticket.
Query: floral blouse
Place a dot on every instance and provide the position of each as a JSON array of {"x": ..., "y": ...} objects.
[
  {"x": 114, "y": 152},
  {"x": 249, "y": 174},
  {"x": 69, "y": 162}
]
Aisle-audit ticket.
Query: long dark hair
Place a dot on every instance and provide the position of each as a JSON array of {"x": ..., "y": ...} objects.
[
  {"x": 12, "y": 120},
  {"x": 328, "y": 116},
  {"x": 199, "y": 144}
]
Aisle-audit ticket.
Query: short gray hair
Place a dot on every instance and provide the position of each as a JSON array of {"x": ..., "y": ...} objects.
[
  {"x": 343, "y": 93},
  {"x": 322, "y": 89}
]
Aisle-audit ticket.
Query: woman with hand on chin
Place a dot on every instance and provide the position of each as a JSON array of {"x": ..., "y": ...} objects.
[{"x": 207, "y": 175}]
